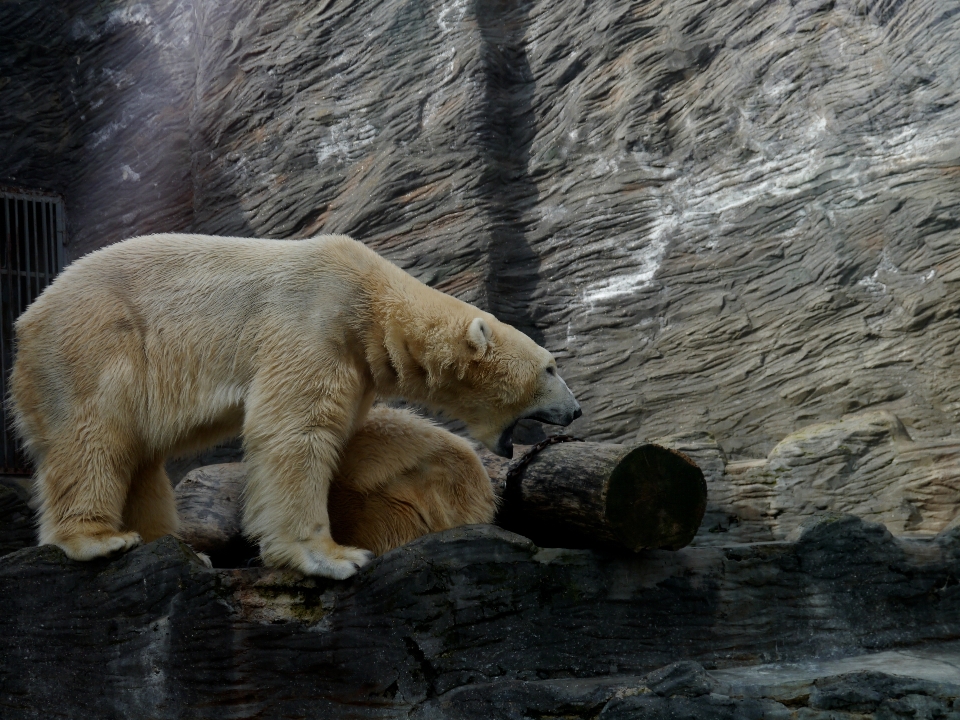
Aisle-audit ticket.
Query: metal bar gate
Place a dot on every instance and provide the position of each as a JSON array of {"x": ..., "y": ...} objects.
[{"x": 31, "y": 255}]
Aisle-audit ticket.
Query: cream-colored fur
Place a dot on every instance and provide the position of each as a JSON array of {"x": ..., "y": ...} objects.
[
  {"x": 163, "y": 344},
  {"x": 403, "y": 477}
]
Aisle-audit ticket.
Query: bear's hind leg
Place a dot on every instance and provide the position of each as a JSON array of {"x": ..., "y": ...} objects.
[
  {"x": 151, "y": 508},
  {"x": 82, "y": 493}
]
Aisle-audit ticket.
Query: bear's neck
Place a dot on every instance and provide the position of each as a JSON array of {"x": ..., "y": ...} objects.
[{"x": 399, "y": 328}]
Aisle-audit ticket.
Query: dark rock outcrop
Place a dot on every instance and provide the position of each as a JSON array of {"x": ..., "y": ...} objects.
[
  {"x": 16, "y": 521},
  {"x": 465, "y": 619}
]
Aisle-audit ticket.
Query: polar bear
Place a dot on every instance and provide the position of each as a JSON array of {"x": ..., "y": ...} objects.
[
  {"x": 165, "y": 344},
  {"x": 401, "y": 477}
]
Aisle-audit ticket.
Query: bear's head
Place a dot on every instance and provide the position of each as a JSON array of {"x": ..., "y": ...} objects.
[
  {"x": 477, "y": 369},
  {"x": 509, "y": 378}
]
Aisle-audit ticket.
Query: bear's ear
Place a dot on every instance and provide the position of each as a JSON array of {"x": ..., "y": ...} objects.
[{"x": 478, "y": 334}]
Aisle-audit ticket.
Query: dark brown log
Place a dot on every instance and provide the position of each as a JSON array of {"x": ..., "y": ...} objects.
[{"x": 583, "y": 494}]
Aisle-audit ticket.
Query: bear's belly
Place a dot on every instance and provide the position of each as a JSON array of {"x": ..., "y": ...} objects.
[{"x": 211, "y": 418}]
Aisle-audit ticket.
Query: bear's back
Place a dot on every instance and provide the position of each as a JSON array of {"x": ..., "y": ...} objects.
[{"x": 184, "y": 279}]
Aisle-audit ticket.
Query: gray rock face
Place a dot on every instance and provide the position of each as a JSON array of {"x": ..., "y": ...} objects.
[
  {"x": 865, "y": 464},
  {"x": 723, "y": 218},
  {"x": 683, "y": 689},
  {"x": 98, "y": 101}
]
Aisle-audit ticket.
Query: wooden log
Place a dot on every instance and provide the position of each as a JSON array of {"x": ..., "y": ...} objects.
[
  {"x": 569, "y": 494},
  {"x": 584, "y": 494},
  {"x": 209, "y": 506}
]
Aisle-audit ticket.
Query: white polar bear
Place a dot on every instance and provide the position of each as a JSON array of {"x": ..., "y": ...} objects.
[{"x": 165, "y": 344}]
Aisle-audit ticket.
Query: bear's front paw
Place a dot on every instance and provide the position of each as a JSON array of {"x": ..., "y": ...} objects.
[{"x": 316, "y": 556}]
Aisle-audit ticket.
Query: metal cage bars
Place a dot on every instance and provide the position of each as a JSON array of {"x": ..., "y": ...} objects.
[{"x": 31, "y": 256}]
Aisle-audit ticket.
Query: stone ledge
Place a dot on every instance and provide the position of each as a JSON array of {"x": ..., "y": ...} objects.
[{"x": 468, "y": 607}]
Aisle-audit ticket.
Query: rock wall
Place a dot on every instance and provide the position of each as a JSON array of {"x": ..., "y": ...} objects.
[{"x": 736, "y": 218}]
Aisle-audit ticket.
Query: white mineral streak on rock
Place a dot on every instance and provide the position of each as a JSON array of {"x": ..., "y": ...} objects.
[
  {"x": 446, "y": 62},
  {"x": 646, "y": 262},
  {"x": 451, "y": 15},
  {"x": 701, "y": 203},
  {"x": 449, "y": 19},
  {"x": 871, "y": 283},
  {"x": 128, "y": 174},
  {"x": 138, "y": 14},
  {"x": 346, "y": 139},
  {"x": 101, "y": 136}
]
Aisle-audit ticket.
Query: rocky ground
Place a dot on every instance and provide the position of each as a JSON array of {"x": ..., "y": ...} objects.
[{"x": 477, "y": 622}]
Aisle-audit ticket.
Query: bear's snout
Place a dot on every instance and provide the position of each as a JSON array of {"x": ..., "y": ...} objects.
[
  {"x": 562, "y": 417},
  {"x": 557, "y": 406}
]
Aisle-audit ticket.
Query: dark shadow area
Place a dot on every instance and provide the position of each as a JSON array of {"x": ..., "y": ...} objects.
[
  {"x": 238, "y": 553},
  {"x": 215, "y": 151},
  {"x": 513, "y": 269}
]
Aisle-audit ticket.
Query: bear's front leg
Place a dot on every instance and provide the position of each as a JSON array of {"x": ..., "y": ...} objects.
[{"x": 294, "y": 432}]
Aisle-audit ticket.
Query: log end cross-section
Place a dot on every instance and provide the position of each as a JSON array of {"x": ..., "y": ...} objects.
[{"x": 656, "y": 498}]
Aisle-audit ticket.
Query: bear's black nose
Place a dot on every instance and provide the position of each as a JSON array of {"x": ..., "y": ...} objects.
[{"x": 577, "y": 413}]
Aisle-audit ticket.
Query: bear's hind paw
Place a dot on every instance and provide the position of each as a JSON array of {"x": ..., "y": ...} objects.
[{"x": 90, "y": 547}]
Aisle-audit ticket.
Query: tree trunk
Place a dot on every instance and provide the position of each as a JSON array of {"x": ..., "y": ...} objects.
[{"x": 583, "y": 494}]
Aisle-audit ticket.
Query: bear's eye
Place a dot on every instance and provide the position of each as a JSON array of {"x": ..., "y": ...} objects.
[{"x": 551, "y": 370}]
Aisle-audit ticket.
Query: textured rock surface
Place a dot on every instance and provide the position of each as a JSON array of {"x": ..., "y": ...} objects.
[
  {"x": 730, "y": 218},
  {"x": 865, "y": 464},
  {"x": 478, "y": 620},
  {"x": 97, "y": 102},
  {"x": 684, "y": 690}
]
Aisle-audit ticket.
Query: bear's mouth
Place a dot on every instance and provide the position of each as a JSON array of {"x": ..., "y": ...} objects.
[{"x": 504, "y": 447}]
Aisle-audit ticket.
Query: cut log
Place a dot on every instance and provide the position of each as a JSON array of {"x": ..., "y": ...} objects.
[
  {"x": 583, "y": 494},
  {"x": 209, "y": 506},
  {"x": 572, "y": 494}
]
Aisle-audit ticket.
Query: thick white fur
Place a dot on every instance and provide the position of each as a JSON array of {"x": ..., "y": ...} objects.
[
  {"x": 168, "y": 343},
  {"x": 403, "y": 477}
]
